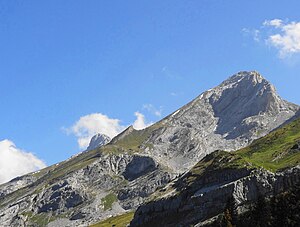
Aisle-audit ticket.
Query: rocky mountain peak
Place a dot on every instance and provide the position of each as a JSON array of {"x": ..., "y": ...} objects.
[
  {"x": 138, "y": 165},
  {"x": 227, "y": 117},
  {"x": 123, "y": 134},
  {"x": 250, "y": 76},
  {"x": 246, "y": 92},
  {"x": 98, "y": 140}
]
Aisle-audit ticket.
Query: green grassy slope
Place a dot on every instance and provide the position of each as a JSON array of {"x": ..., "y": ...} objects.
[
  {"x": 118, "y": 221},
  {"x": 277, "y": 150},
  {"x": 133, "y": 141}
]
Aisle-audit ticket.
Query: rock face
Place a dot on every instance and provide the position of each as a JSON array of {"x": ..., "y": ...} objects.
[
  {"x": 126, "y": 172},
  {"x": 80, "y": 195},
  {"x": 98, "y": 140},
  {"x": 60, "y": 196},
  {"x": 192, "y": 209},
  {"x": 138, "y": 166},
  {"x": 207, "y": 196},
  {"x": 227, "y": 117}
]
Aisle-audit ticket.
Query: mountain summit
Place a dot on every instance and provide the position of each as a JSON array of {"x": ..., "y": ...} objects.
[
  {"x": 98, "y": 140},
  {"x": 227, "y": 117},
  {"x": 137, "y": 164}
]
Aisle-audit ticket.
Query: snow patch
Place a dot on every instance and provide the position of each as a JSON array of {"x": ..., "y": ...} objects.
[{"x": 176, "y": 112}]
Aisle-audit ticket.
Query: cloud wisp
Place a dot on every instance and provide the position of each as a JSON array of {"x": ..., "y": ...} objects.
[
  {"x": 16, "y": 162},
  {"x": 279, "y": 34},
  {"x": 152, "y": 109},
  {"x": 89, "y": 125}
]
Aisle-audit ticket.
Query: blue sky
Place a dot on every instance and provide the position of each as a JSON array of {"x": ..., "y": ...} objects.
[{"x": 63, "y": 60}]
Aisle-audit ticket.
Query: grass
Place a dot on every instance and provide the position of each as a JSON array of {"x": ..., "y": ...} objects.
[
  {"x": 108, "y": 201},
  {"x": 39, "y": 219},
  {"x": 134, "y": 139},
  {"x": 132, "y": 142},
  {"x": 273, "y": 151},
  {"x": 118, "y": 221},
  {"x": 214, "y": 162}
]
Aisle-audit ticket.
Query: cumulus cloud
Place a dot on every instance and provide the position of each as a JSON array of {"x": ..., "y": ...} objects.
[
  {"x": 89, "y": 125},
  {"x": 16, "y": 162},
  {"x": 152, "y": 109},
  {"x": 140, "y": 122},
  {"x": 287, "y": 37},
  {"x": 282, "y": 35}
]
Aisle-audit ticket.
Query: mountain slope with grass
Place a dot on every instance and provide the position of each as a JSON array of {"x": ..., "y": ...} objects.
[
  {"x": 267, "y": 167},
  {"x": 136, "y": 165}
]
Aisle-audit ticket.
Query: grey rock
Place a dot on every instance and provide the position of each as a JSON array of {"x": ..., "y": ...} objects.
[
  {"x": 230, "y": 116},
  {"x": 198, "y": 204},
  {"x": 139, "y": 166},
  {"x": 97, "y": 141},
  {"x": 59, "y": 198}
]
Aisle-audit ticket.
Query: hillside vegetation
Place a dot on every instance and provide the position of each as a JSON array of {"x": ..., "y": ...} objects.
[{"x": 278, "y": 150}]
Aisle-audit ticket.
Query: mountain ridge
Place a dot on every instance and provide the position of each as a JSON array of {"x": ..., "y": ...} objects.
[
  {"x": 207, "y": 114},
  {"x": 128, "y": 170},
  {"x": 199, "y": 197}
]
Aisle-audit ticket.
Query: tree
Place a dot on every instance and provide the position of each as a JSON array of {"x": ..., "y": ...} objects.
[
  {"x": 261, "y": 213},
  {"x": 230, "y": 213}
]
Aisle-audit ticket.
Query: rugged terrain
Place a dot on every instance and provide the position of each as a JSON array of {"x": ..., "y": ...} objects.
[
  {"x": 269, "y": 166},
  {"x": 131, "y": 169},
  {"x": 98, "y": 140}
]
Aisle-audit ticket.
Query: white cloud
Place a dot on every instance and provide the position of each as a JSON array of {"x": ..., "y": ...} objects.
[
  {"x": 140, "y": 122},
  {"x": 283, "y": 36},
  {"x": 152, "y": 109},
  {"x": 89, "y": 125},
  {"x": 275, "y": 23},
  {"x": 287, "y": 40},
  {"x": 16, "y": 162}
]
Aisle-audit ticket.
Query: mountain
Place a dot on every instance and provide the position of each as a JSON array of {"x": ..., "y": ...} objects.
[
  {"x": 268, "y": 167},
  {"x": 131, "y": 169},
  {"x": 98, "y": 140},
  {"x": 227, "y": 117}
]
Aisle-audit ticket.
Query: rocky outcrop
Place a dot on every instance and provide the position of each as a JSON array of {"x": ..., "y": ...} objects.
[
  {"x": 98, "y": 140},
  {"x": 59, "y": 198},
  {"x": 136, "y": 164},
  {"x": 196, "y": 204},
  {"x": 230, "y": 116},
  {"x": 136, "y": 192},
  {"x": 79, "y": 196},
  {"x": 139, "y": 166},
  {"x": 15, "y": 184}
]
